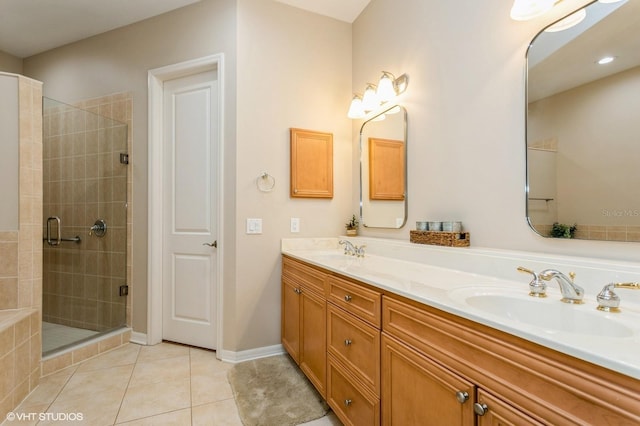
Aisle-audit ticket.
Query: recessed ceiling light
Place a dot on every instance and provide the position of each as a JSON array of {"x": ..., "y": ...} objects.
[{"x": 606, "y": 60}]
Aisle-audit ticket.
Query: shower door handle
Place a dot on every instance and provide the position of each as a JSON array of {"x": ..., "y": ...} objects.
[{"x": 58, "y": 238}]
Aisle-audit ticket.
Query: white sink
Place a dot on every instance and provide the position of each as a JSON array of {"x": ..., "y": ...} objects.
[{"x": 545, "y": 313}]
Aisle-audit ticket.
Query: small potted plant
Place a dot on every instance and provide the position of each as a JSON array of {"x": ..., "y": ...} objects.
[
  {"x": 560, "y": 230},
  {"x": 352, "y": 226}
]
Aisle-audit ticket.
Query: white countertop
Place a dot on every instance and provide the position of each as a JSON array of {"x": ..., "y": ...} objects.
[{"x": 613, "y": 343}]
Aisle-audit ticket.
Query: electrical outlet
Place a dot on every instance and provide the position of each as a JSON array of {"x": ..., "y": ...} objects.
[
  {"x": 295, "y": 224},
  {"x": 254, "y": 226}
]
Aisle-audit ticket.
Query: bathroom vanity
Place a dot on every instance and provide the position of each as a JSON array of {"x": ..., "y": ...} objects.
[{"x": 390, "y": 341}]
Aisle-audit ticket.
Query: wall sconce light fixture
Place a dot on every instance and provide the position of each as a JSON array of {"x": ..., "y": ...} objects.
[{"x": 387, "y": 89}]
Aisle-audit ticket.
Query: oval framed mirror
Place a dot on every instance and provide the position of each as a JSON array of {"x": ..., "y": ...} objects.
[
  {"x": 383, "y": 169},
  {"x": 583, "y": 126}
]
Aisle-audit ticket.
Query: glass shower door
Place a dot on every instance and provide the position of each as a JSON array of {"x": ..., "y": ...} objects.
[{"x": 85, "y": 225}]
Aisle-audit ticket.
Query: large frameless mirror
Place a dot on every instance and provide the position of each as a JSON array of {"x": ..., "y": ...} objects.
[
  {"x": 583, "y": 126},
  {"x": 383, "y": 169}
]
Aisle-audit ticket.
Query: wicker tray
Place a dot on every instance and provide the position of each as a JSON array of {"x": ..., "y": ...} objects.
[{"x": 438, "y": 238}]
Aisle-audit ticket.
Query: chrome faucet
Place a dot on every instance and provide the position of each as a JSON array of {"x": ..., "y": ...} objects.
[
  {"x": 351, "y": 249},
  {"x": 348, "y": 247},
  {"x": 571, "y": 292},
  {"x": 608, "y": 301},
  {"x": 360, "y": 250}
]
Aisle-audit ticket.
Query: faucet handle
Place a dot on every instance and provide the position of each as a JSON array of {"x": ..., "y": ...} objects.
[
  {"x": 608, "y": 300},
  {"x": 537, "y": 287},
  {"x": 360, "y": 250}
]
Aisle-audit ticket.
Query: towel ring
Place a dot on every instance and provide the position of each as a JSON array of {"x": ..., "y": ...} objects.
[{"x": 265, "y": 182}]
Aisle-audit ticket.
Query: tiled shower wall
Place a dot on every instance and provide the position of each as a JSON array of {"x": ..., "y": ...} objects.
[
  {"x": 21, "y": 261},
  {"x": 85, "y": 181}
]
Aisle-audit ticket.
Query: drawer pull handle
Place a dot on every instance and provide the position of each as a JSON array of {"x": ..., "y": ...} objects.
[
  {"x": 462, "y": 396},
  {"x": 347, "y": 298},
  {"x": 347, "y": 402},
  {"x": 480, "y": 409},
  {"x": 347, "y": 342},
  {"x": 297, "y": 290}
]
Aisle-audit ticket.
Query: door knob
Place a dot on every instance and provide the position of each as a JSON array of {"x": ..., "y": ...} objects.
[{"x": 213, "y": 244}]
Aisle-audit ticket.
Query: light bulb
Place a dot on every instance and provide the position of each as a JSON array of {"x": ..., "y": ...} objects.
[
  {"x": 356, "y": 110},
  {"x": 386, "y": 88},
  {"x": 524, "y": 10},
  {"x": 370, "y": 99}
]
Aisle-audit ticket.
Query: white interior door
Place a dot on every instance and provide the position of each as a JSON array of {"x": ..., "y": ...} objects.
[{"x": 190, "y": 207}]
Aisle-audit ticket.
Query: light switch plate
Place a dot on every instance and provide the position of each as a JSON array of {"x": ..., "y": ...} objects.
[
  {"x": 254, "y": 226},
  {"x": 295, "y": 224}
]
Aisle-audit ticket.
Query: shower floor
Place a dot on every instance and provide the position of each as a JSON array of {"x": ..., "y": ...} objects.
[{"x": 57, "y": 335}]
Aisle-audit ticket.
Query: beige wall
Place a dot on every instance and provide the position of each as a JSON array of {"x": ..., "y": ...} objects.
[
  {"x": 118, "y": 61},
  {"x": 294, "y": 70},
  {"x": 10, "y": 63},
  {"x": 465, "y": 104}
]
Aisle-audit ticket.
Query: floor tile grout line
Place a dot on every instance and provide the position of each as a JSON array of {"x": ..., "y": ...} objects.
[
  {"x": 135, "y": 363},
  {"x": 150, "y": 417},
  {"x": 66, "y": 382}
]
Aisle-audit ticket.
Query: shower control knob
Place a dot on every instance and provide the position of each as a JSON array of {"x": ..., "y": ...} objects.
[{"x": 99, "y": 228}]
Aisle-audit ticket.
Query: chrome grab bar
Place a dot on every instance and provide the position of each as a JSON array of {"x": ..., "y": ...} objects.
[{"x": 58, "y": 239}]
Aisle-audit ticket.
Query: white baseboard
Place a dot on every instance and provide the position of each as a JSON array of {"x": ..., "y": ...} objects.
[
  {"x": 138, "y": 338},
  {"x": 248, "y": 355}
]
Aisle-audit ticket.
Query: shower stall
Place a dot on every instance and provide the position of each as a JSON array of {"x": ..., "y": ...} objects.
[{"x": 84, "y": 225}]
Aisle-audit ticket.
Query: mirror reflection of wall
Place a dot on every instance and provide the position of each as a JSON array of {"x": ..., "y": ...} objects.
[
  {"x": 383, "y": 200},
  {"x": 583, "y": 127}
]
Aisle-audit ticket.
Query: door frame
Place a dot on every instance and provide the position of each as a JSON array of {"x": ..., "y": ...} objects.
[{"x": 156, "y": 78}]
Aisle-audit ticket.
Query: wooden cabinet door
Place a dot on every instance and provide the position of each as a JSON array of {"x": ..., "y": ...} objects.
[
  {"x": 290, "y": 327},
  {"x": 499, "y": 413},
  {"x": 313, "y": 339},
  {"x": 417, "y": 391},
  {"x": 311, "y": 164}
]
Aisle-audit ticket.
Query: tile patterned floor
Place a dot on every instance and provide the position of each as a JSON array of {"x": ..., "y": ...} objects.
[{"x": 165, "y": 384}]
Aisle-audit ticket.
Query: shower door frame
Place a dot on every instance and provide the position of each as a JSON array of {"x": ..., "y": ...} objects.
[{"x": 156, "y": 77}]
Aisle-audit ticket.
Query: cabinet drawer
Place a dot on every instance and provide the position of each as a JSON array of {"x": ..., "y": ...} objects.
[
  {"x": 407, "y": 323},
  {"x": 304, "y": 275},
  {"x": 352, "y": 403},
  {"x": 355, "y": 298},
  {"x": 356, "y": 344}
]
